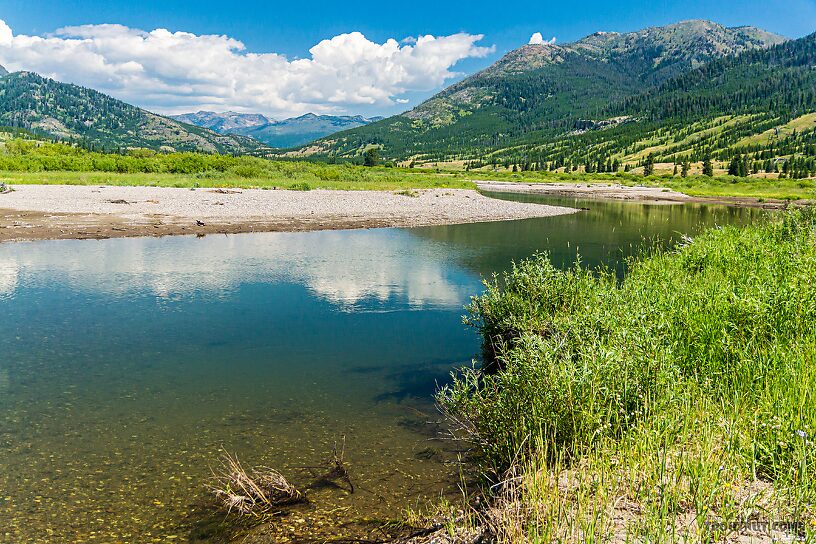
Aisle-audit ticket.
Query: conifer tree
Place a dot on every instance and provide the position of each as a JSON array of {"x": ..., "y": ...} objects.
[
  {"x": 708, "y": 166},
  {"x": 648, "y": 165}
]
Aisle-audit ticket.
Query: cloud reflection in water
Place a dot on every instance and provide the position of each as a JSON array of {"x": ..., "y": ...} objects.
[{"x": 356, "y": 270}]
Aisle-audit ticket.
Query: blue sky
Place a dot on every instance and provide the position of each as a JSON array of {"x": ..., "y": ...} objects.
[{"x": 292, "y": 28}]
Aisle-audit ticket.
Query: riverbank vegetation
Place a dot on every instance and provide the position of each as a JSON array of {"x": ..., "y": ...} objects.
[
  {"x": 675, "y": 405},
  {"x": 27, "y": 161}
]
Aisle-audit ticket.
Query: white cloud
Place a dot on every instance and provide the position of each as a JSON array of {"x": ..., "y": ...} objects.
[
  {"x": 171, "y": 72},
  {"x": 538, "y": 39}
]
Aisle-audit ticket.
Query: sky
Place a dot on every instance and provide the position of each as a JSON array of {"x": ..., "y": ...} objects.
[{"x": 288, "y": 58}]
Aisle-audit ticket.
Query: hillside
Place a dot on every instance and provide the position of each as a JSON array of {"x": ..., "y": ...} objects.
[
  {"x": 287, "y": 133},
  {"x": 543, "y": 91},
  {"x": 70, "y": 112},
  {"x": 756, "y": 107}
]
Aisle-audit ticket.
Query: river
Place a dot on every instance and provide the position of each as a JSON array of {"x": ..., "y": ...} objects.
[{"x": 128, "y": 365}]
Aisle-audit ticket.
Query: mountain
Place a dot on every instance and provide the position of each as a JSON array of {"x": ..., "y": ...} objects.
[
  {"x": 304, "y": 129},
  {"x": 67, "y": 111},
  {"x": 224, "y": 123},
  {"x": 3, "y": 71},
  {"x": 282, "y": 134},
  {"x": 545, "y": 90},
  {"x": 757, "y": 107}
]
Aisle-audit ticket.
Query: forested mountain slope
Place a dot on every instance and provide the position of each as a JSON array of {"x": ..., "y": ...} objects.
[
  {"x": 759, "y": 103},
  {"x": 70, "y": 112},
  {"x": 541, "y": 92}
]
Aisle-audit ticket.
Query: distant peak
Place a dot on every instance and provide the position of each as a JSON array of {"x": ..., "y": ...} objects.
[{"x": 3, "y": 71}]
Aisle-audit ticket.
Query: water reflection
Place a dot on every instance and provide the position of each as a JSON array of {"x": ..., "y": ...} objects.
[
  {"x": 605, "y": 233},
  {"x": 360, "y": 270},
  {"x": 9, "y": 270}
]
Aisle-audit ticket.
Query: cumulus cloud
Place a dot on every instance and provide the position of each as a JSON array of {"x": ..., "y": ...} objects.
[
  {"x": 538, "y": 39},
  {"x": 171, "y": 72}
]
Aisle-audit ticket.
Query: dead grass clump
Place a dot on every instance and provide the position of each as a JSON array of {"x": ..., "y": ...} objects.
[{"x": 256, "y": 492}]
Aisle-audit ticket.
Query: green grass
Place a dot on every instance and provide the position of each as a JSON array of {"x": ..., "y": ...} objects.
[
  {"x": 726, "y": 186},
  {"x": 388, "y": 179},
  {"x": 30, "y": 161},
  {"x": 649, "y": 408},
  {"x": 799, "y": 124},
  {"x": 700, "y": 186},
  {"x": 372, "y": 179}
]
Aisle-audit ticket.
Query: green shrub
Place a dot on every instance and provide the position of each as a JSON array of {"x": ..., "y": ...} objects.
[
  {"x": 575, "y": 358},
  {"x": 247, "y": 171}
]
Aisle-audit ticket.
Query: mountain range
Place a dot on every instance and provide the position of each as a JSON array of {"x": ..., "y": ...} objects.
[
  {"x": 673, "y": 93},
  {"x": 287, "y": 133},
  {"x": 223, "y": 123}
]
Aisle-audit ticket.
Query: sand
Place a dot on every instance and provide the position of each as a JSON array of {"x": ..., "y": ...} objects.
[{"x": 36, "y": 212}]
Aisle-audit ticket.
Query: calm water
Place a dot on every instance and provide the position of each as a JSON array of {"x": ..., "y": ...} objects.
[{"x": 126, "y": 365}]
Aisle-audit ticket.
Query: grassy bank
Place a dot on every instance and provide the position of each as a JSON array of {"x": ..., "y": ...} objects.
[
  {"x": 28, "y": 161},
  {"x": 725, "y": 186},
  {"x": 676, "y": 405},
  {"x": 701, "y": 186},
  {"x": 23, "y": 161},
  {"x": 347, "y": 178},
  {"x": 305, "y": 175}
]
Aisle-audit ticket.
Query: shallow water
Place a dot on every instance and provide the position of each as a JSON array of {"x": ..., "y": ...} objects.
[{"x": 127, "y": 364}]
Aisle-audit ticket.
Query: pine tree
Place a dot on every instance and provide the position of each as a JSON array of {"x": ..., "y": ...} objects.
[
  {"x": 734, "y": 166},
  {"x": 648, "y": 165},
  {"x": 708, "y": 167}
]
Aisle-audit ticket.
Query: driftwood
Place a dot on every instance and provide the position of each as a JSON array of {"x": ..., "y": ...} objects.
[{"x": 337, "y": 471}]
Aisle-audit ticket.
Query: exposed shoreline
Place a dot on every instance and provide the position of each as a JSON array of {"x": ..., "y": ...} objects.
[
  {"x": 608, "y": 191},
  {"x": 47, "y": 212}
]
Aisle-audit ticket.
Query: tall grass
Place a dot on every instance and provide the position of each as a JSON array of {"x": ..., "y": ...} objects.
[{"x": 669, "y": 406}]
